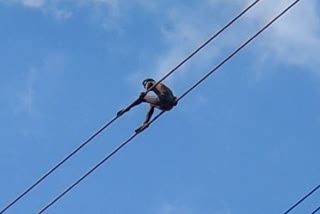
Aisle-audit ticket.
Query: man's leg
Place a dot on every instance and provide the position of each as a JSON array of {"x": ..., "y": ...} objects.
[
  {"x": 152, "y": 100},
  {"x": 147, "y": 119},
  {"x": 166, "y": 103}
]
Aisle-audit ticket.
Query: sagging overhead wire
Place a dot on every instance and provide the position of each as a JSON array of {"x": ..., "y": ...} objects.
[
  {"x": 316, "y": 210},
  {"x": 161, "y": 113},
  {"x": 302, "y": 199},
  {"x": 205, "y": 43},
  {"x": 43, "y": 177}
]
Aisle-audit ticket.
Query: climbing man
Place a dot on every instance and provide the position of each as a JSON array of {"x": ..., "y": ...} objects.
[{"x": 165, "y": 100}]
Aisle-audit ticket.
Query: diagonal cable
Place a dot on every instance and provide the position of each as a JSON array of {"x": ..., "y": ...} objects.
[
  {"x": 156, "y": 117},
  {"x": 302, "y": 199},
  {"x": 316, "y": 210},
  {"x": 238, "y": 49},
  {"x": 204, "y": 44},
  {"x": 43, "y": 177}
]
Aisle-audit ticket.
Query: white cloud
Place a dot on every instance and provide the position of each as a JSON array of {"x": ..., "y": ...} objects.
[
  {"x": 26, "y": 3},
  {"x": 60, "y": 14},
  {"x": 52, "y": 8},
  {"x": 170, "y": 208},
  {"x": 179, "y": 208},
  {"x": 26, "y": 96},
  {"x": 28, "y": 92},
  {"x": 295, "y": 38},
  {"x": 292, "y": 40},
  {"x": 112, "y": 3},
  {"x": 183, "y": 32},
  {"x": 33, "y": 3},
  {"x": 180, "y": 37}
]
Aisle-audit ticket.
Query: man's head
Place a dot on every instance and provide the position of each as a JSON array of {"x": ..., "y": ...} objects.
[{"x": 145, "y": 82}]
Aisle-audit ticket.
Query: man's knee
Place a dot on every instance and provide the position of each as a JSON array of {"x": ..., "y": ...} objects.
[
  {"x": 153, "y": 100},
  {"x": 167, "y": 106}
]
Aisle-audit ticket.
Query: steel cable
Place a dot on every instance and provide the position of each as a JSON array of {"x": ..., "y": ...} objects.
[
  {"x": 43, "y": 177},
  {"x": 156, "y": 117}
]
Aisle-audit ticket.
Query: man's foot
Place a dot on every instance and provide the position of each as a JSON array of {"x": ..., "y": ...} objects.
[
  {"x": 122, "y": 111},
  {"x": 141, "y": 128},
  {"x": 175, "y": 102}
]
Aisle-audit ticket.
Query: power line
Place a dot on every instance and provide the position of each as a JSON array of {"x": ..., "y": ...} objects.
[
  {"x": 316, "y": 210},
  {"x": 238, "y": 49},
  {"x": 205, "y": 43},
  {"x": 88, "y": 173},
  {"x": 156, "y": 117},
  {"x": 302, "y": 199},
  {"x": 43, "y": 177}
]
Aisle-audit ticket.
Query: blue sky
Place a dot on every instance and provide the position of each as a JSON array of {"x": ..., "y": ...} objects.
[{"x": 246, "y": 141}]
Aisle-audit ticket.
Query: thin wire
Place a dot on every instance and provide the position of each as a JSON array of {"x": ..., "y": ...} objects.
[
  {"x": 88, "y": 173},
  {"x": 58, "y": 165},
  {"x": 115, "y": 118},
  {"x": 204, "y": 44},
  {"x": 302, "y": 199},
  {"x": 316, "y": 210},
  {"x": 238, "y": 49},
  {"x": 156, "y": 117},
  {"x": 96, "y": 166}
]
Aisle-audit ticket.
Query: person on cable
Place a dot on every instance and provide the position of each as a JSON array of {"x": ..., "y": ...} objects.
[{"x": 164, "y": 100}]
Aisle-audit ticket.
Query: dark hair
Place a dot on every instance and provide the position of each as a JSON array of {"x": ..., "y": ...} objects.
[{"x": 144, "y": 82}]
